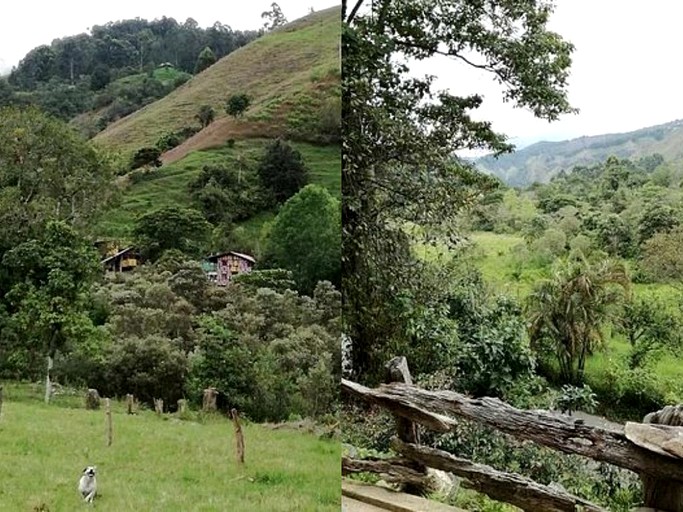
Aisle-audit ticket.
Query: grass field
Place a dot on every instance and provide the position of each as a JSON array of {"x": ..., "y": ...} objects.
[
  {"x": 168, "y": 185},
  {"x": 289, "y": 73},
  {"x": 156, "y": 463}
]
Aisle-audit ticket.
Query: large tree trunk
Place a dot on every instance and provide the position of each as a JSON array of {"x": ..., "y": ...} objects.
[{"x": 48, "y": 384}]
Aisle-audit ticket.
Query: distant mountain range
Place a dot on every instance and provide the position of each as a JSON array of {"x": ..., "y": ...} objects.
[{"x": 541, "y": 161}]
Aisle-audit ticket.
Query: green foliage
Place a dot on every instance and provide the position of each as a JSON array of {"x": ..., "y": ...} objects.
[
  {"x": 183, "y": 229},
  {"x": 146, "y": 156},
  {"x": 651, "y": 328},
  {"x": 574, "y": 398},
  {"x": 228, "y": 193},
  {"x": 282, "y": 170},
  {"x": 273, "y": 353},
  {"x": 237, "y": 104},
  {"x": 205, "y": 59},
  {"x": 662, "y": 258},
  {"x": 567, "y": 312},
  {"x": 400, "y": 136},
  {"x": 47, "y": 172},
  {"x": 277, "y": 279},
  {"x": 150, "y": 367},
  {"x": 206, "y": 115},
  {"x": 306, "y": 238},
  {"x": 51, "y": 276},
  {"x": 492, "y": 352}
]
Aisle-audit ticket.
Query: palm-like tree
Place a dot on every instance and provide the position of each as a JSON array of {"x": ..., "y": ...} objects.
[{"x": 569, "y": 310}]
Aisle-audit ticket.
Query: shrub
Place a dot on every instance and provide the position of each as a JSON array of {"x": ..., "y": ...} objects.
[
  {"x": 237, "y": 104},
  {"x": 146, "y": 156},
  {"x": 149, "y": 368}
]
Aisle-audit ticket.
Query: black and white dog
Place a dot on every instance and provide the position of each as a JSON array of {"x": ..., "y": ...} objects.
[{"x": 87, "y": 485}]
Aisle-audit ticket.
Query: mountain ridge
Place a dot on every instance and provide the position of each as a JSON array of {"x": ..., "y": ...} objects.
[{"x": 540, "y": 161}]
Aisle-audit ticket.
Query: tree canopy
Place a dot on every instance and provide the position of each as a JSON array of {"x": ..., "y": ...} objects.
[{"x": 400, "y": 134}]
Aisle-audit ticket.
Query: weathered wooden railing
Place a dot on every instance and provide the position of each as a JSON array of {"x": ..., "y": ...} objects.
[{"x": 655, "y": 452}]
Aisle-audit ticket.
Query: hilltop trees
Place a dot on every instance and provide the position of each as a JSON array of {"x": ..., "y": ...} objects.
[
  {"x": 400, "y": 135},
  {"x": 205, "y": 59},
  {"x": 274, "y": 17}
]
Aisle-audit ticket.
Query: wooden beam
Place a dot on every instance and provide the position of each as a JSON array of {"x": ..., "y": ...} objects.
[
  {"x": 430, "y": 408},
  {"x": 517, "y": 490},
  {"x": 394, "y": 470}
]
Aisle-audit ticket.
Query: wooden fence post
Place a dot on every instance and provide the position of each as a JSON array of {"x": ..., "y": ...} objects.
[
  {"x": 209, "y": 401},
  {"x": 397, "y": 371},
  {"x": 182, "y": 406},
  {"x": 0, "y": 401},
  {"x": 130, "y": 403},
  {"x": 159, "y": 406},
  {"x": 107, "y": 413},
  {"x": 239, "y": 437},
  {"x": 658, "y": 493}
]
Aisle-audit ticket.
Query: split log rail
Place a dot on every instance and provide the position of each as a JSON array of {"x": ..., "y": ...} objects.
[{"x": 661, "y": 472}]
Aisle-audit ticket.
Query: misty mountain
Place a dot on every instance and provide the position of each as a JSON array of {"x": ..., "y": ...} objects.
[{"x": 541, "y": 161}]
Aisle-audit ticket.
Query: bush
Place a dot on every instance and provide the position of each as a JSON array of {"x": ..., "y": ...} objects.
[
  {"x": 237, "y": 104},
  {"x": 149, "y": 368},
  {"x": 146, "y": 156}
]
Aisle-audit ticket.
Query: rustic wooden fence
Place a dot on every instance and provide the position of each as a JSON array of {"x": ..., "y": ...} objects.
[{"x": 653, "y": 451}]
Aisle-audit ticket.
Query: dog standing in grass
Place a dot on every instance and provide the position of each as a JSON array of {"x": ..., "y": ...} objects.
[{"x": 87, "y": 485}]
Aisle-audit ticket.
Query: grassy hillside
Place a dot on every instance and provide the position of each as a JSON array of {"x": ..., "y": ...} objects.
[
  {"x": 292, "y": 75},
  {"x": 157, "y": 463},
  {"x": 168, "y": 185},
  {"x": 541, "y": 161}
]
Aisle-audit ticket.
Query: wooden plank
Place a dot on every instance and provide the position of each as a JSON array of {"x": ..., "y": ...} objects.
[
  {"x": 351, "y": 505},
  {"x": 431, "y": 408},
  {"x": 386, "y": 499}
]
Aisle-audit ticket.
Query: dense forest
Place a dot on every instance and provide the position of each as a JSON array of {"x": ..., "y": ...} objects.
[{"x": 117, "y": 65}]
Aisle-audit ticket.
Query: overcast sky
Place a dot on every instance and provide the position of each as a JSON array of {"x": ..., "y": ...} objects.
[
  {"x": 25, "y": 24},
  {"x": 626, "y": 71}
]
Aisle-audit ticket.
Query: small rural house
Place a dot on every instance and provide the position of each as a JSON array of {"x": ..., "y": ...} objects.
[
  {"x": 220, "y": 268},
  {"x": 122, "y": 261}
]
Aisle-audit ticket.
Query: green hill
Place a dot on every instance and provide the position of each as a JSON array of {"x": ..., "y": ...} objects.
[
  {"x": 291, "y": 74},
  {"x": 543, "y": 160},
  {"x": 168, "y": 185},
  {"x": 293, "y": 77}
]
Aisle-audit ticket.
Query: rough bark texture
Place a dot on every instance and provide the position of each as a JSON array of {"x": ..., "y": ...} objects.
[
  {"x": 239, "y": 437},
  {"x": 664, "y": 493},
  {"x": 159, "y": 406},
  {"x": 109, "y": 426},
  {"x": 397, "y": 371},
  {"x": 568, "y": 436},
  {"x": 395, "y": 470},
  {"x": 130, "y": 402},
  {"x": 510, "y": 488}
]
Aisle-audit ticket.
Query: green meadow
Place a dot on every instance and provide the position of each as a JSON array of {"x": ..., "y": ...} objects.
[{"x": 156, "y": 463}]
